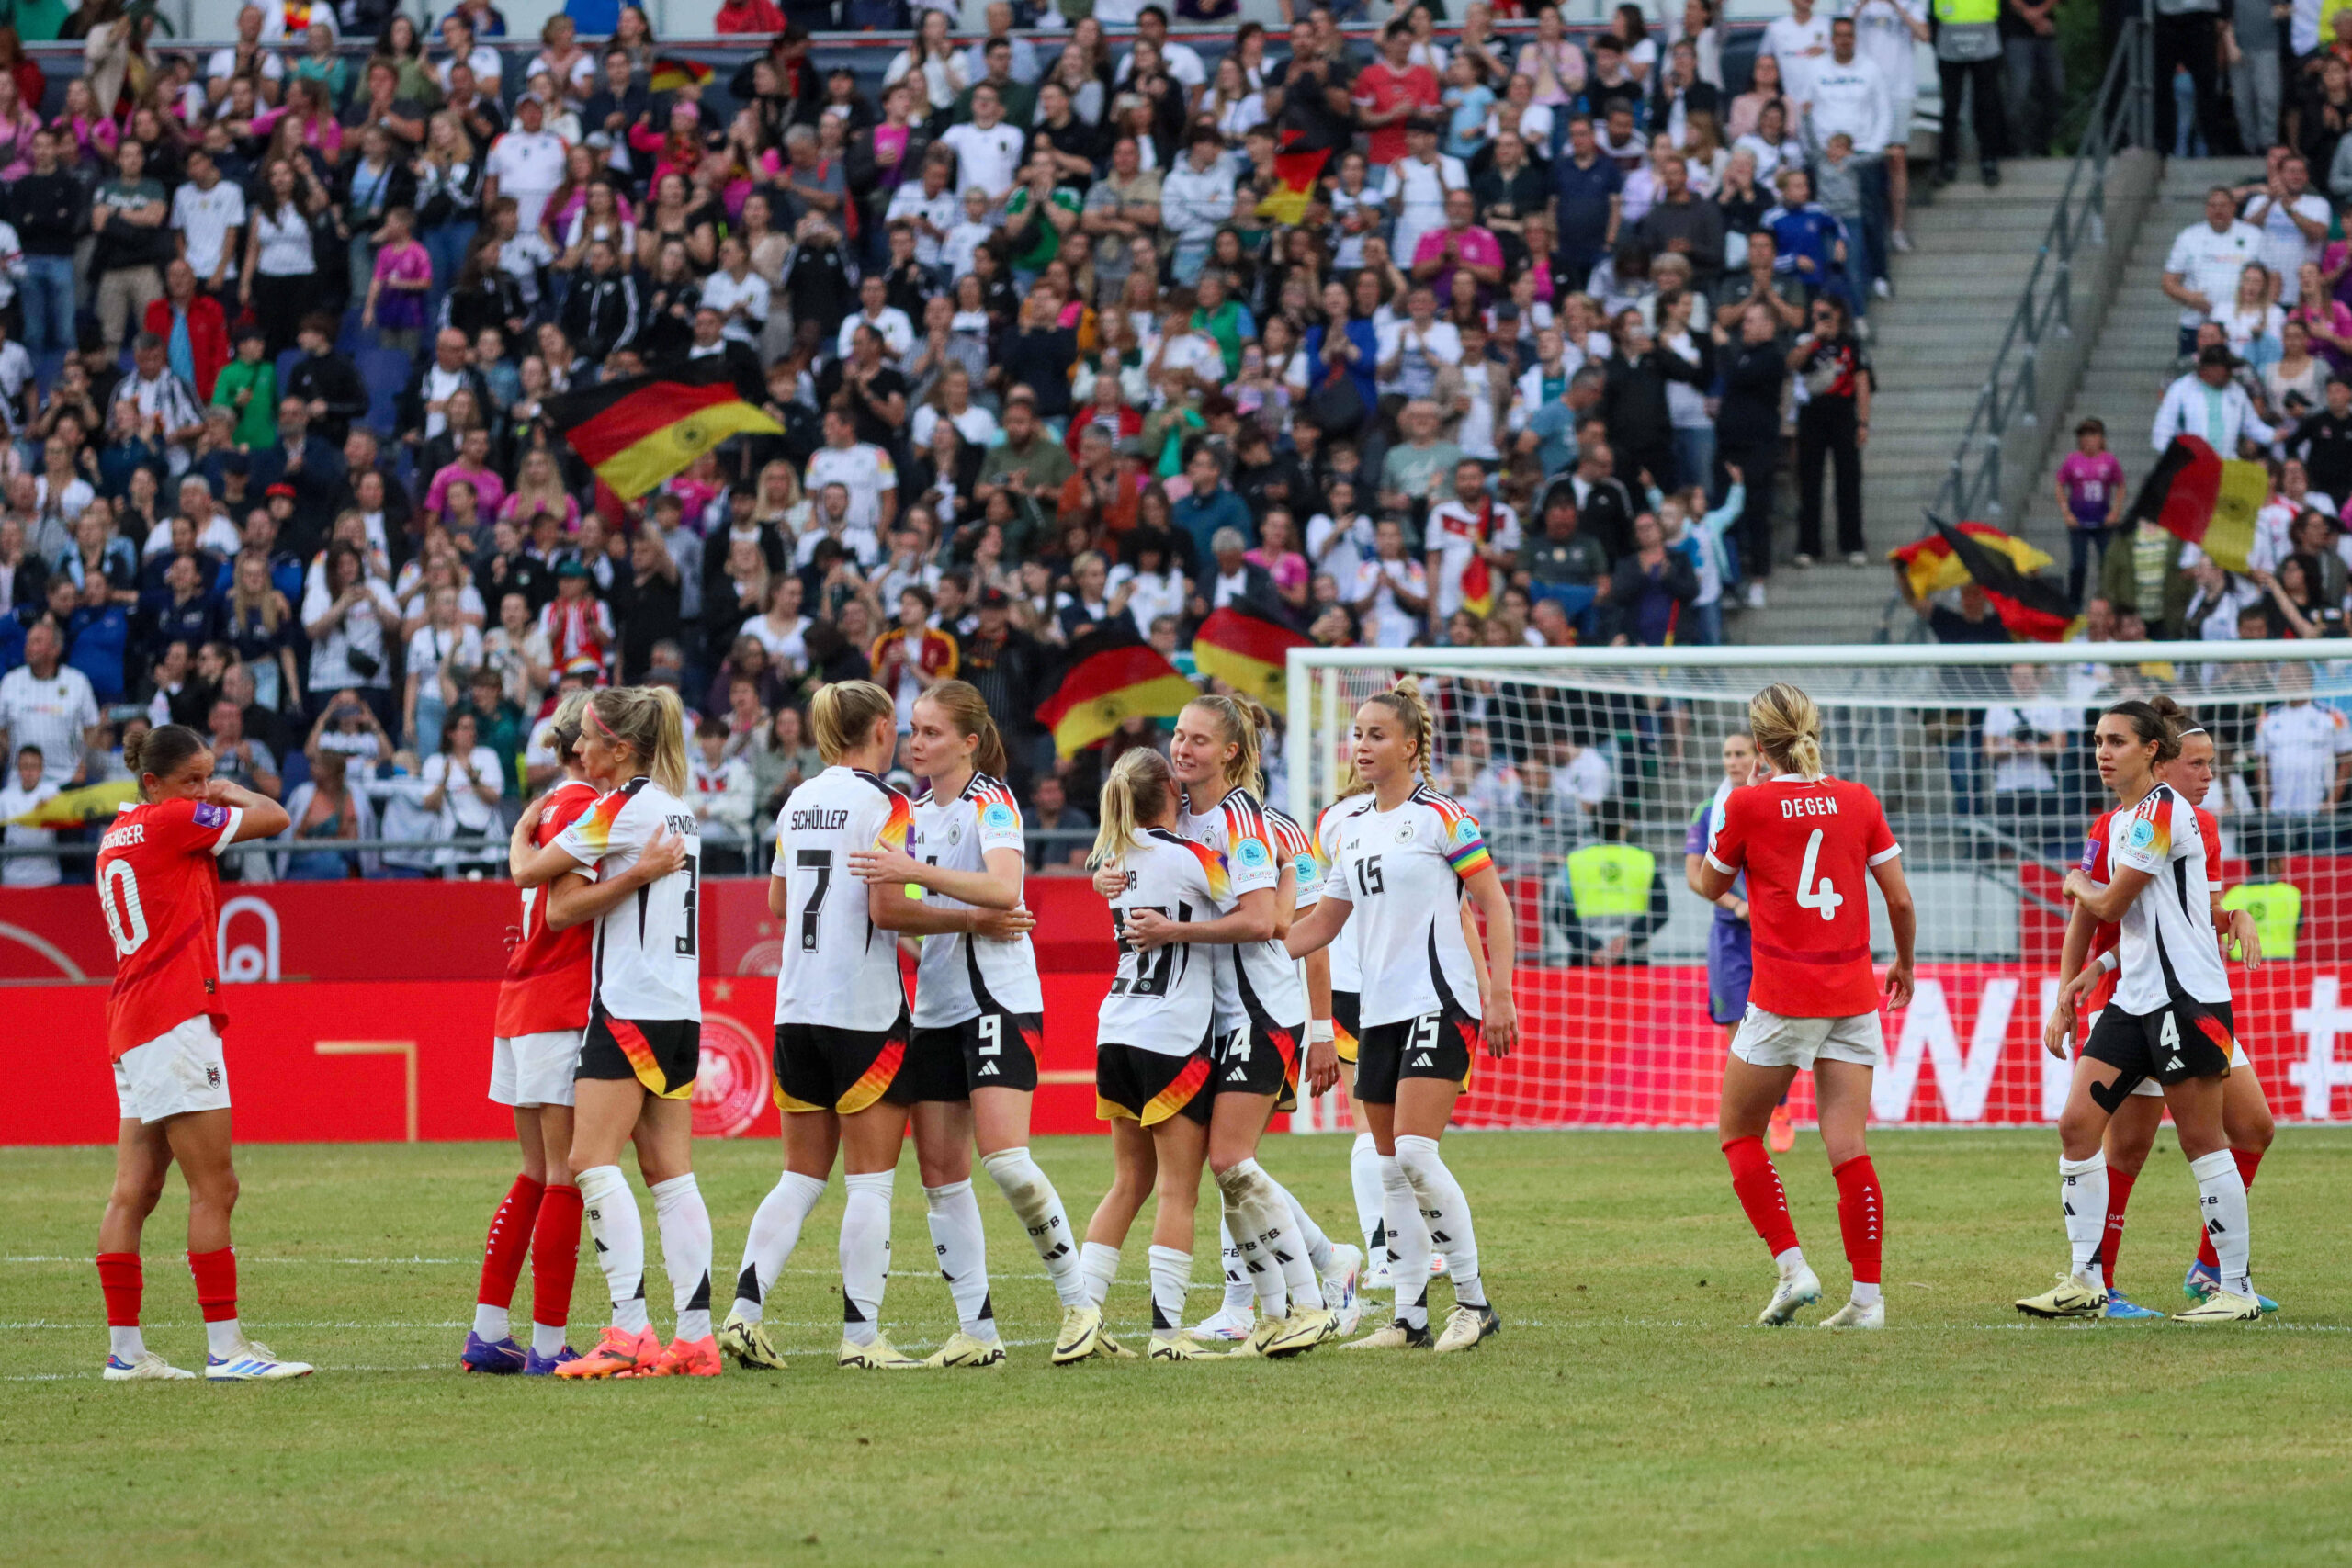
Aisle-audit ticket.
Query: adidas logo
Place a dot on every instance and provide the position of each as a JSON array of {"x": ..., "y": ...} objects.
[
  {"x": 988, "y": 1071},
  {"x": 1423, "y": 1060},
  {"x": 1238, "y": 1075},
  {"x": 2173, "y": 1065}
]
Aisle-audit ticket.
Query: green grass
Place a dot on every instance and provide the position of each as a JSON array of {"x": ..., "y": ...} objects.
[{"x": 1627, "y": 1414}]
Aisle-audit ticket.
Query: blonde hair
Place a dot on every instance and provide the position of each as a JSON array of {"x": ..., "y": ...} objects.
[
  {"x": 841, "y": 716},
  {"x": 1139, "y": 788},
  {"x": 1405, "y": 700},
  {"x": 1787, "y": 727},
  {"x": 652, "y": 722},
  {"x": 1243, "y": 721},
  {"x": 961, "y": 702}
]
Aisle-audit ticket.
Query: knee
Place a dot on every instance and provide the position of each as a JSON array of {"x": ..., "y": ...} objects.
[
  {"x": 137, "y": 1195},
  {"x": 2253, "y": 1131},
  {"x": 1843, "y": 1144},
  {"x": 941, "y": 1169},
  {"x": 2079, "y": 1133}
]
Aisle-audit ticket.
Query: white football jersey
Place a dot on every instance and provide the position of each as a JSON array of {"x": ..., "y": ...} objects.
[
  {"x": 1347, "y": 969},
  {"x": 960, "y": 976},
  {"x": 1238, "y": 828},
  {"x": 1403, "y": 871},
  {"x": 1165, "y": 1000},
  {"x": 648, "y": 960},
  {"x": 839, "y": 968},
  {"x": 2167, "y": 931}
]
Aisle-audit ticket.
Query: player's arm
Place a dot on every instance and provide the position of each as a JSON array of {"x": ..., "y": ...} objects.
[
  {"x": 1322, "y": 1054},
  {"x": 1694, "y": 869},
  {"x": 263, "y": 818},
  {"x": 887, "y": 906},
  {"x": 1286, "y": 901},
  {"x": 1477, "y": 955},
  {"x": 1502, "y": 939},
  {"x": 576, "y": 900},
  {"x": 1251, "y": 918},
  {"x": 2107, "y": 904},
  {"x": 1904, "y": 916},
  {"x": 997, "y": 888},
  {"x": 2060, "y": 1026}
]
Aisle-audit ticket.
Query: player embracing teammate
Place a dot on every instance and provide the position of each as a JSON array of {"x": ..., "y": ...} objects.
[{"x": 1808, "y": 843}]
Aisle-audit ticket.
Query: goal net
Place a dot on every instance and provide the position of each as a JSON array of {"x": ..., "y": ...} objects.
[{"x": 1587, "y": 768}]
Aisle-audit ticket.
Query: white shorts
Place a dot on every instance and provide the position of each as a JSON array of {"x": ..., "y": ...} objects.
[
  {"x": 1768, "y": 1039},
  {"x": 534, "y": 1069},
  {"x": 1898, "y": 121},
  {"x": 2154, "y": 1091},
  {"x": 173, "y": 1073}
]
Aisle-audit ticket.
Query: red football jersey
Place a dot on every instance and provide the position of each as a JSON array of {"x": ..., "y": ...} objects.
[
  {"x": 2105, "y": 935},
  {"x": 547, "y": 973},
  {"x": 160, "y": 886},
  {"x": 1807, "y": 847}
]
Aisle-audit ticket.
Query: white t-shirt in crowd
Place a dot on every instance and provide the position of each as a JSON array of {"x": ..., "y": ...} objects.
[
  {"x": 2299, "y": 744},
  {"x": 206, "y": 217},
  {"x": 527, "y": 168}
]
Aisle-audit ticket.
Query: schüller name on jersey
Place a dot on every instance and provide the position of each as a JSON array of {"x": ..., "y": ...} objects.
[{"x": 820, "y": 822}]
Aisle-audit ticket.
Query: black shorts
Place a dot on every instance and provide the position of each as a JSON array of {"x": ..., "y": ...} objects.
[
  {"x": 1259, "y": 1058},
  {"x": 2185, "y": 1039},
  {"x": 1435, "y": 1045},
  {"x": 1347, "y": 1010},
  {"x": 990, "y": 1050},
  {"x": 1150, "y": 1086},
  {"x": 662, "y": 1054},
  {"x": 818, "y": 1068}
]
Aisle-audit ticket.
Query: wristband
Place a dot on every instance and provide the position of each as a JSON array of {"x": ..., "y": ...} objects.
[
  {"x": 1318, "y": 1032},
  {"x": 2111, "y": 959}
]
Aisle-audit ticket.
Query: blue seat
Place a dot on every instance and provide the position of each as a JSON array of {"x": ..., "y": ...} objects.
[
  {"x": 385, "y": 373},
  {"x": 286, "y": 363}
]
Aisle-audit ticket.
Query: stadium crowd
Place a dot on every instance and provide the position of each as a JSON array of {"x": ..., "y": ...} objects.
[{"x": 1060, "y": 334}]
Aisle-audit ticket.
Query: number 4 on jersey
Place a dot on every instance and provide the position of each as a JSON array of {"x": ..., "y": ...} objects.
[{"x": 1822, "y": 896}]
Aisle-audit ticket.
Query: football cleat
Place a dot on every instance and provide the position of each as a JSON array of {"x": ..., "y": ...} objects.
[
  {"x": 1437, "y": 1265},
  {"x": 963, "y": 1351},
  {"x": 1294, "y": 1336},
  {"x": 253, "y": 1362},
  {"x": 616, "y": 1351},
  {"x": 1341, "y": 1288},
  {"x": 538, "y": 1366},
  {"x": 2124, "y": 1310},
  {"x": 1081, "y": 1336},
  {"x": 2222, "y": 1306},
  {"x": 1398, "y": 1336},
  {"x": 1378, "y": 1277},
  {"x": 879, "y": 1356},
  {"x": 501, "y": 1358},
  {"x": 1181, "y": 1347},
  {"x": 1224, "y": 1324},
  {"x": 148, "y": 1368},
  {"x": 1799, "y": 1288},
  {"x": 1467, "y": 1325},
  {"x": 748, "y": 1343},
  {"x": 685, "y": 1359},
  {"x": 2201, "y": 1281},
  {"x": 1780, "y": 1133},
  {"x": 1115, "y": 1350},
  {"x": 2072, "y": 1296},
  {"x": 1854, "y": 1315}
]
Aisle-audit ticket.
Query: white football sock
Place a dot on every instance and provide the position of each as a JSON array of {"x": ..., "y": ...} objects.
[
  {"x": 1789, "y": 1262},
  {"x": 1039, "y": 1207},
  {"x": 2221, "y": 1196},
  {"x": 1171, "y": 1276},
  {"x": 1448, "y": 1212},
  {"x": 490, "y": 1322},
  {"x": 776, "y": 1231},
  {"x": 957, "y": 1236},
  {"x": 610, "y": 1209},
  {"x": 2082, "y": 1192},
  {"x": 1310, "y": 1235},
  {"x": 1865, "y": 1295},
  {"x": 1408, "y": 1245},
  {"x": 1240, "y": 1293},
  {"x": 126, "y": 1344},
  {"x": 866, "y": 1254},
  {"x": 1363, "y": 1178},
  {"x": 1098, "y": 1265},
  {"x": 223, "y": 1337},
  {"x": 1275, "y": 1259},
  {"x": 684, "y": 1224},
  {"x": 547, "y": 1338}
]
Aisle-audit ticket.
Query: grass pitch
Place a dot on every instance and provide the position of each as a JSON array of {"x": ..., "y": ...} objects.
[{"x": 1629, "y": 1412}]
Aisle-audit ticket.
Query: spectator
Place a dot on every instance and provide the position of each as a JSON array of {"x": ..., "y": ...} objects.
[
  {"x": 460, "y": 783},
  {"x": 1833, "y": 424},
  {"x": 2303, "y": 759},
  {"x": 2208, "y": 404},
  {"x": 2090, "y": 495},
  {"x": 50, "y": 705},
  {"x": 2202, "y": 270},
  {"x": 26, "y": 791},
  {"x": 1651, "y": 588}
]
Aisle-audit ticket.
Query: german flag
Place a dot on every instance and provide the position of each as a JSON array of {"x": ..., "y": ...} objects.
[
  {"x": 1119, "y": 677},
  {"x": 638, "y": 432},
  {"x": 2195, "y": 494},
  {"x": 1295, "y": 177},
  {"x": 1930, "y": 566},
  {"x": 1246, "y": 652},
  {"x": 670, "y": 73},
  {"x": 2034, "y": 608}
]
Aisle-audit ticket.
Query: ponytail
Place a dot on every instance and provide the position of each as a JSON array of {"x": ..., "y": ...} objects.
[
  {"x": 1242, "y": 721},
  {"x": 652, "y": 722},
  {"x": 964, "y": 706},
  {"x": 1139, "y": 788},
  {"x": 2150, "y": 722},
  {"x": 842, "y": 714},
  {"x": 1405, "y": 700},
  {"x": 1787, "y": 727}
]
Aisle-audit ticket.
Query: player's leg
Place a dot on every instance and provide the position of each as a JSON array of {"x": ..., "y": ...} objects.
[
  {"x": 1290, "y": 1291},
  {"x": 143, "y": 1156},
  {"x": 1134, "y": 1167},
  {"x": 200, "y": 1147},
  {"x": 811, "y": 1139},
  {"x": 1757, "y": 1073},
  {"x": 1424, "y": 1107},
  {"x": 665, "y": 1158},
  {"x": 555, "y": 1246},
  {"x": 943, "y": 1131},
  {"x": 2196, "y": 1107},
  {"x": 1379, "y": 1061},
  {"x": 2131, "y": 1134},
  {"x": 1180, "y": 1143},
  {"x": 1001, "y": 1132},
  {"x": 2247, "y": 1122},
  {"x": 1842, "y": 1093},
  {"x": 1337, "y": 1269},
  {"x": 2099, "y": 1089},
  {"x": 605, "y": 1110},
  {"x": 871, "y": 1139},
  {"x": 489, "y": 1346}
]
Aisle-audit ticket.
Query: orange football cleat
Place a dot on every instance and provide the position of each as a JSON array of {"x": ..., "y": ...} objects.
[
  {"x": 1780, "y": 1137},
  {"x": 685, "y": 1359},
  {"x": 618, "y": 1353}
]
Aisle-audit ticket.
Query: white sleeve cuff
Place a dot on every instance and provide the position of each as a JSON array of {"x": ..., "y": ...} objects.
[
  {"x": 1886, "y": 854},
  {"x": 2112, "y": 959},
  {"x": 229, "y": 834},
  {"x": 1720, "y": 865}
]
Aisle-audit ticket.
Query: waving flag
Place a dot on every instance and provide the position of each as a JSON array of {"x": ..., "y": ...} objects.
[
  {"x": 1295, "y": 177},
  {"x": 637, "y": 431},
  {"x": 1248, "y": 652},
  {"x": 87, "y": 804},
  {"x": 2195, "y": 494},
  {"x": 670, "y": 73},
  {"x": 1118, "y": 676},
  {"x": 2032, "y": 607},
  {"x": 1930, "y": 567}
]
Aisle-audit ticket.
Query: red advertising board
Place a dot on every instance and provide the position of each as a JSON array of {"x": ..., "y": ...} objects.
[{"x": 1631, "y": 1047}]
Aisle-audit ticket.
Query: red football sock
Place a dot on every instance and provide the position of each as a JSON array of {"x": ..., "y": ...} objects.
[
  {"x": 510, "y": 1237},
  {"x": 216, "y": 1282},
  {"x": 555, "y": 1255},
  {"x": 1759, "y": 1186},
  {"x": 1862, "y": 1216},
  {"x": 2249, "y": 1161},
  {"x": 123, "y": 1280},
  {"x": 2119, "y": 1194}
]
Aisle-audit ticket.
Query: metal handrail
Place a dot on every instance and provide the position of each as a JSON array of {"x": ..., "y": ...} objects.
[{"x": 2010, "y": 396}]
